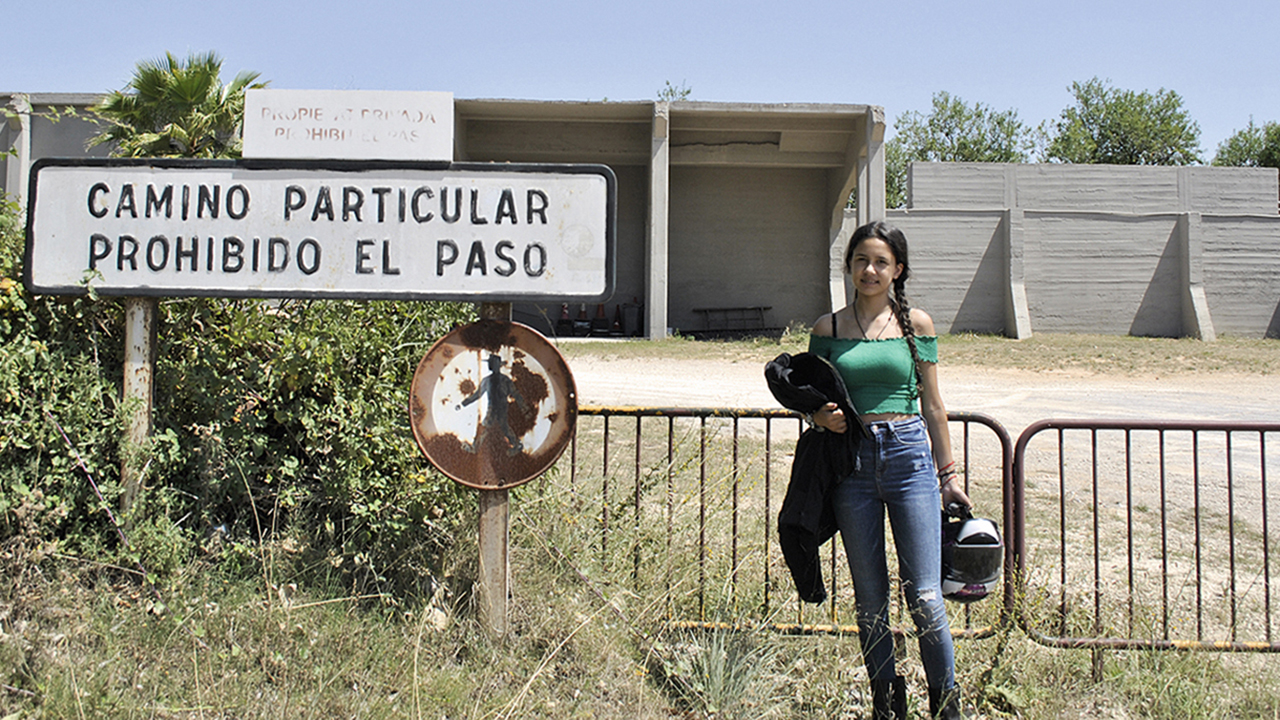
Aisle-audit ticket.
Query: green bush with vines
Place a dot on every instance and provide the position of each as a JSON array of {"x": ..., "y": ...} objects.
[{"x": 273, "y": 421}]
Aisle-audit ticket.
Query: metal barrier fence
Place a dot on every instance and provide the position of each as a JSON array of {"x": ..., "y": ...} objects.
[
  {"x": 685, "y": 502},
  {"x": 1119, "y": 534},
  {"x": 1134, "y": 534}
]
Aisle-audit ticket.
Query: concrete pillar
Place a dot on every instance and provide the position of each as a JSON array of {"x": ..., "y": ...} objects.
[
  {"x": 865, "y": 165},
  {"x": 1196, "y": 320},
  {"x": 1017, "y": 314},
  {"x": 841, "y": 289},
  {"x": 656, "y": 243},
  {"x": 19, "y": 165},
  {"x": 871, "y": 192}
]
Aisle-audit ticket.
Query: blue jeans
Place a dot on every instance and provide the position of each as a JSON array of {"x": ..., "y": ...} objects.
[{"x": 895, "y": 472}]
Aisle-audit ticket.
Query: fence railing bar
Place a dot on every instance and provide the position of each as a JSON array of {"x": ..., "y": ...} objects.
[
  {"x": 1164, "y": 541},
  {"x": 702, "y": 519},
  {"x": 1128, "y": 515},
  {"x": 722, "y": 541},
  {"x": 1208, "y": 469},
  {"x": 1266, "y": 545},
  {"x": 1097, "y": 539},
  {"x": 733, "y": 551},
  {"x": 1063, "y": 606},
  {"x": 1231, "y": 534},
  {"x": 573, "y": 465},
  {"x": 831, "y": 594},
  {"x": 671, "y": 505},
  {"x": 636, "y": 524},
  {"x": 1200, "y": 569},
  {"x": 967, "y": 612},
  {"x": 768, "y": 514},
  {"x": 604, "y": 499}
]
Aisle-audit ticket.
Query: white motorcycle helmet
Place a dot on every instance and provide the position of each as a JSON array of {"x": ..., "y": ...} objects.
[{"x": 972, "y": 556}]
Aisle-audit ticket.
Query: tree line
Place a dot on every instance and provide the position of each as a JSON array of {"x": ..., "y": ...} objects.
[{"x": 1103, "y": 125}]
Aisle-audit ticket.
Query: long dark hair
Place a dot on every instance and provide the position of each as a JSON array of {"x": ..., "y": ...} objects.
[{"x": 897, "y": 243}]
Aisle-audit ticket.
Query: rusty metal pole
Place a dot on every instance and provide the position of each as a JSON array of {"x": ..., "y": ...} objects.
[
  {"x": 139, "y": 356},
  {"x": 495, "y": 523}
]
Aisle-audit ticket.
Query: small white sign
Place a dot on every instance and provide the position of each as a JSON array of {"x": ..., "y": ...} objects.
[
  {"x": 343, "y": 230},
  {"x": 348, "y": 124}
]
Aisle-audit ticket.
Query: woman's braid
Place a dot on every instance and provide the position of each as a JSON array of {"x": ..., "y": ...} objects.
[{"x": 902, "y": 308}]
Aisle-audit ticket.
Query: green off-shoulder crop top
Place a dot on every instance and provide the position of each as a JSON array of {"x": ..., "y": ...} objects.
[{"x": 878, "y": 373}]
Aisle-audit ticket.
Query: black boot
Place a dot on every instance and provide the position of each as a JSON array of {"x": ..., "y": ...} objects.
[
  {"x": 889, "y": 699},
  {"x": 945, "y": 704}
]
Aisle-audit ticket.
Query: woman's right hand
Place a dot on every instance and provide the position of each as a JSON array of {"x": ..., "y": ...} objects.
[{"x": 830, "y": 416}]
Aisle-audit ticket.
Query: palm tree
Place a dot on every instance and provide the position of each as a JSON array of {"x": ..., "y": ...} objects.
[{"x": 173, "y": 108}]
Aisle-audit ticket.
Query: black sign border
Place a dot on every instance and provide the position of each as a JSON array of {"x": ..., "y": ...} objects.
[{"x": 611, "y": 230}]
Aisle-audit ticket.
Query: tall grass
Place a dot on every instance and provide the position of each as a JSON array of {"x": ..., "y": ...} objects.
[{"x": 283, "y": 633}]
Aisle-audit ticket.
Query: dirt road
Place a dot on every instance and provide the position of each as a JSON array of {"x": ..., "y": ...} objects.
[{"x": 1014, "y": 398}]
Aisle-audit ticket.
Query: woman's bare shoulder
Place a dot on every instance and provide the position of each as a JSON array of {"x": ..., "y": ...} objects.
[
  {"x": 823, "y": 326},
  {"x": 922, "y": 323}
]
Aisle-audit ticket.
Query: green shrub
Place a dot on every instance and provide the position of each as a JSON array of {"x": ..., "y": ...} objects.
[{"x": 271, "y": 420}]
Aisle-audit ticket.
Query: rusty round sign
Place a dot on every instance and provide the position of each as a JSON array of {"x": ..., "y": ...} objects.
[{"x": 493, "y": 404}]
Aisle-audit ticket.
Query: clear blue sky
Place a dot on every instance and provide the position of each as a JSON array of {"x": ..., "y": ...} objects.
[{"x": 1222, "y": 57}]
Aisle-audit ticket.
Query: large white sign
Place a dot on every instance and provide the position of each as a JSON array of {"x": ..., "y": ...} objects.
[
  {"x": 348, "y": 124},
  {"x": 355, "y": 230}
]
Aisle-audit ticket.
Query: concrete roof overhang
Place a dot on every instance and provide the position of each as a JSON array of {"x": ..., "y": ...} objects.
[
  {"x": 837, "y": 139},
  {"x": 701, "y": 133}
]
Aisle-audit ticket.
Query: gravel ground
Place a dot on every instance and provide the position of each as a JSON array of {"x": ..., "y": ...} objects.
[{"x": 1014, "y": 398}]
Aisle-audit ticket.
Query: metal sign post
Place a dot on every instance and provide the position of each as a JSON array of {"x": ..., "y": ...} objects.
[
  {"x": 492, "y": 406},
  {"x": 495, "y": 529},
  {"x": 139, "y": 352}
]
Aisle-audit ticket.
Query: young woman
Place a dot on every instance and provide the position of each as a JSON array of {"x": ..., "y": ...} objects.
[{"x": 887, "y": 353}]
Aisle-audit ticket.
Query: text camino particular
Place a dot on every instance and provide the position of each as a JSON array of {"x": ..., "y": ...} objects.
[{"x": 232, "y": 254}]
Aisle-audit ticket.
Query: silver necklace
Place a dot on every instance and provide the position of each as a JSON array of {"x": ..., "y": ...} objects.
[{"x": 858, "y": 320}]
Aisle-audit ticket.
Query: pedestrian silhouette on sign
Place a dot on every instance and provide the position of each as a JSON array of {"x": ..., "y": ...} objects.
[{"x": 501, "y": 390}]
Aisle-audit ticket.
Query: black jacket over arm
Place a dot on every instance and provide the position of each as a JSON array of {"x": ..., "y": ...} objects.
[{"x": 805, "y": 383}]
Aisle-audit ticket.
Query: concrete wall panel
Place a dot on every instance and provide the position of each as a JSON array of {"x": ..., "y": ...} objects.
[
  {"x": 1091, "y": 188},
  {"x": 745, "y": 237},
  {"x": 1097, "y": 188},
  {"x": 611, "y": 143},
  {"x": 958, "y": 267},
  {"x": 1102, "y": 273},
  {"x": 1241, "y": 266},
  {"x": 66, "y": 137},
  {"x": 957, "y": 185},
  {"x": 1246, "y": 191}
]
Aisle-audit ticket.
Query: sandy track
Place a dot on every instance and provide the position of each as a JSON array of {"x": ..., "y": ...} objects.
[{"x": 1014, "y": 398}]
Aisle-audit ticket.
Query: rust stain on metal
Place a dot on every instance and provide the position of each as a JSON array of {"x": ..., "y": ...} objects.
[
  {"x": 417, "y": 411},
  {"x": 532, "y": 389},
  {"x": 490, "y": 335}
]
